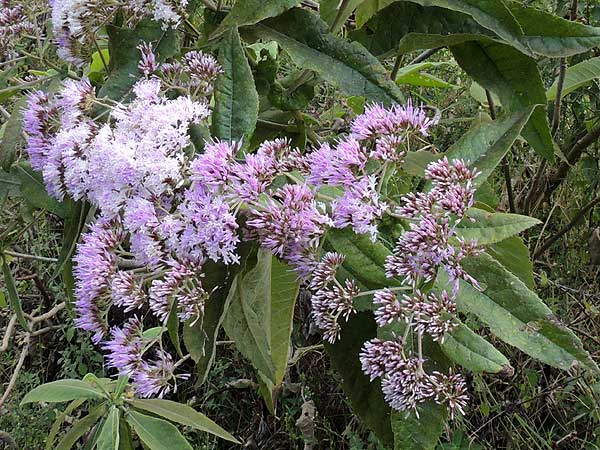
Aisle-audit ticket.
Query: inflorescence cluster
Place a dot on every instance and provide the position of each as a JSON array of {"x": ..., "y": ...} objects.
[
  {"x": 166, "y": 208},
  {"x": 13, "y": 24},
  {"x": 76, "y": 22}
]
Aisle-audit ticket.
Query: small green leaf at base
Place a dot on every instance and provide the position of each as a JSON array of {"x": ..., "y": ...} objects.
[
  {"x": 183, "y": 414},
  {"x": 157, "y": 434}
]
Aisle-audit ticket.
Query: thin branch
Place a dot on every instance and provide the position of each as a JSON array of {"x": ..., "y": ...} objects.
[
  {"x": 557, "y": 102},
  {"x": 32, "y": 257},
  {"x": 535, "y": 187},
  {"x": 48, "y": 315},
  {"x": 45, "y": 330},
  {"x": 580, "y": 215},
  {"x": 425, "y": 55},
  {"x": 505, "y": 164},
  {"x": 396, "y": 67},
  {"x": 339, "y": 16},
  {"x": 17, "y": 371},
  {"x": 10, "y": 329}
]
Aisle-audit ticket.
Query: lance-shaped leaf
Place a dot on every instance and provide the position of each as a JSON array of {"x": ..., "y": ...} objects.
[
  {"x": 473, "y": 352},
  {"x": 62, "y": 391},
  {"x": 513, "y": 254},
  {"x": 365, "y": 396},
  {"x": 108, "y": 439},
  {"x": 422, "y": 433},
  {"x": 76, "y": 213},
  {"x": 347, "y": 65},
  {"x": 249, "y": 12},
  {"x": 10, "y": 184},
  {"x": 236, "y": 99},
  {"x": 515, "y": 79},
  {"x": 183, "y": 414},
  {"x": 260, "y": 314},
  {"x": 13, "y": 294},
  {"x": 420, "y": 28},
  {"x": 200, "y": 338},
  {"x": 368, "y": 8},
  {"x": 495, "y": 16},
  {"x": 34, "y": 191},
  {"x": 124, "y": 55},
  {"x": 517, "y": 315},
  {"x": 550, "y": 35},
  {"x": 79, "y": 428},
  {"x": 488, "y": 228},
  {"x": 485, "y": 145},
  {"x": 364, "y": 259},
  {"x": 157, "y": 434},
  {"x": 576, "y": 76},
  {"x": 12, "y": 135}
]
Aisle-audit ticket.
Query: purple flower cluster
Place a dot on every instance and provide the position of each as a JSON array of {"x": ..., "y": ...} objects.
[
  {"x": 404, "y": 381},
  {"x": 426, "y": 247},
  {"x": 126, "y": 350},
  {"x": 75, "y": 22},
  {"x": 331, "y": 300},
  {"x": 167, "y": 207},
  {"x": 13, "y": 25},
  {"x": 392, "y": 130}
]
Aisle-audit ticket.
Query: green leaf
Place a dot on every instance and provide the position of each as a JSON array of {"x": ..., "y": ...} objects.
[
  {"x": 420, "y": 28},
  {"x": 517, "y": 315},
  {"x": 12, "y": 137},
  {"x": 411, "y": 74},
  {"x": 424, "y": 79},
  {"x": 173, "y": 330},
  {"x": 485, "y": 145},
  {"x": 75, "y": 217},
  {"x": 495, "y": 16},
  {"x": 473, "y": 352},
  {"x": 260, "y": 314},
  {"x": 364, "y": 259},
  {"x": 183, "y": 414},
  {"x": 109, "y": 435},
  {"x": 157, "y": 434},
  {"x": 62, "y": 391},
  {"x": 515, "y": 79},
  {"x": 236, "y": 99},
  {"x": 423, "y": 433},
  {"x": 249, "y": 12},
  {"x": 489, "y": 228},
  {"x": 34, "y": 191},
  {"x": 415, "y": 163},
  {"x": 576, "y": 76},
  {"x": 10, "y": 184},
  {"x": 200, "y": 339},
  {"x": 79, "y": 428},
  {"x": 513, "y": 254},
  {"x": 60, "y": 418},
  {"x": 125, "y": 438},
  {"x": 346, "y": 65},
  {"x": 549, "y": 35},
  {"x": 13, "y": 294},
  {"x": 368, "y": 8},
  {"x": 124, "y": 55},
  {"x": 365, "y": 396},
  {"x": 152, "y": 333}
]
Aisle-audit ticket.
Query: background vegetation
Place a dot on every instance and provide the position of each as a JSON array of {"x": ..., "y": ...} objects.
[{"x": 550, "y": 173}]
